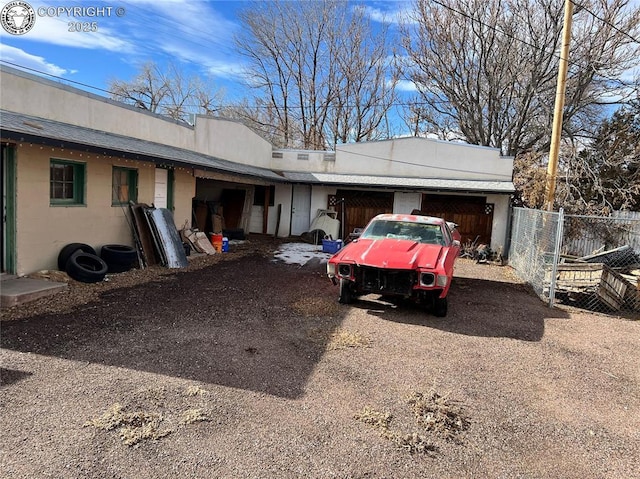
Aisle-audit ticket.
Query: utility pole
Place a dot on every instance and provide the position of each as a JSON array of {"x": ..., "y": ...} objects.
[{"x": 561, "y": 87}]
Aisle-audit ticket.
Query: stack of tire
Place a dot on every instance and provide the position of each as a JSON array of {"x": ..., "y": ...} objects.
[{"x": 81, "y": 262}]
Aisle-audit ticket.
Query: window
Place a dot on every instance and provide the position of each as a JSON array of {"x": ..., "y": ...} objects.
[
  {"x": 66, "y": 182},
  {"x": 124, "y": 186}
]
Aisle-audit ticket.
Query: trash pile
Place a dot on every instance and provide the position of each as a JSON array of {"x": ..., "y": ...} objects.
[{"x": 607, "y": 278}]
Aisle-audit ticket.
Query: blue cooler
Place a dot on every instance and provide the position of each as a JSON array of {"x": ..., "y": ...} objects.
[{"x": 331, "y": 246}]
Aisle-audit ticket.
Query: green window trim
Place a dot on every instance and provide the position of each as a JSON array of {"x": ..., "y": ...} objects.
[
  {"x": 171, "y": 180},
  {"x": 124, "y": 186},
  {"x": 67, "y": 183}
]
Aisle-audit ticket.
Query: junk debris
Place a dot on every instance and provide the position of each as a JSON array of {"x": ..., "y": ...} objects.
[{"x": 610, "y": 278}]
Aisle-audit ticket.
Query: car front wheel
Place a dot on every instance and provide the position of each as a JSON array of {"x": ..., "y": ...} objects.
[
  {"x": 440, "y": 307},
  {"x": 346, "y": 294}
]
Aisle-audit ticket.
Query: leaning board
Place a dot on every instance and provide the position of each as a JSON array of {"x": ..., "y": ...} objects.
[{"x": 167, "y": 237}]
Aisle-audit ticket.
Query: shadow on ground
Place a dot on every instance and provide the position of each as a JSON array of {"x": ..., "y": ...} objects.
[
  {"x": 477, "y": 307},
  {"x": 234, "y": 324},
  {"x": 10, "y": 376}
]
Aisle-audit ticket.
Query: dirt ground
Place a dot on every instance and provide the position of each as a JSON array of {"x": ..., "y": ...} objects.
[{"x": 242, "y": 367}]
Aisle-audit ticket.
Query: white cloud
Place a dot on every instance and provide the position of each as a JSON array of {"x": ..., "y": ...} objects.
[
  {"x": 192, "y": 32},
  {"x": 393, "y": 12},
  {"x": 407, "y": 86},
  {"x": 20, "y": 57}
]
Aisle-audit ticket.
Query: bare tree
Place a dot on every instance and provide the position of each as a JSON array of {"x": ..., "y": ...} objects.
[
  {"x": 261, "y": 116},
  {"x": 167, "y": 92},
  {"x": 490, "y": 66},
  {"x": 366, "y": 82},
  {"x": 321, "y": 68},
  {"x": 147, "y": 90},
  {"x": 605, "y": 176}
]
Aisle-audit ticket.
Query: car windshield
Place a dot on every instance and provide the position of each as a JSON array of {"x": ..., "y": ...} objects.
[{"x": 406, "y": 230}]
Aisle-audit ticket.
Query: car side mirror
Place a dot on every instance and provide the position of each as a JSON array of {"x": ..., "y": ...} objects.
[{"x": 455, "y": 244}]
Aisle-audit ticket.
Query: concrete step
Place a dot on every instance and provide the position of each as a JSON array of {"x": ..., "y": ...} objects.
[{"x": 16, "y": 291}]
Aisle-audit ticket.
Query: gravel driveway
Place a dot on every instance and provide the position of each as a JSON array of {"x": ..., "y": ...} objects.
[{"x": 242, "y": 367}]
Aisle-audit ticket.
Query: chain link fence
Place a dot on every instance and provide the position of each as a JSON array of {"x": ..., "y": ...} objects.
[{"x": 589, "y": 262}]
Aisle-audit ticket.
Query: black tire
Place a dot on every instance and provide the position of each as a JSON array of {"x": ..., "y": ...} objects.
[
  {"x": 67, "y": 251},
  {"x": 440, "y": 307},
  {"x": 86, "y": 268},
  {"x": 119, "y": 257},
  {"x": 346, "y": 293}
]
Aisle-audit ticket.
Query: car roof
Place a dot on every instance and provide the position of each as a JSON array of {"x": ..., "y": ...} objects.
[{"x": 432, "y": 220}]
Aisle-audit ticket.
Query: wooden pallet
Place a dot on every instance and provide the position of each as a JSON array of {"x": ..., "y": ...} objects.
[{"x": 590, "y": 278}]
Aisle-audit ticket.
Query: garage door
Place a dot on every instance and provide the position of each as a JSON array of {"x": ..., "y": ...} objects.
[
  {"x": 360, "y": 207},
  {"x": 473, "y": 215}
]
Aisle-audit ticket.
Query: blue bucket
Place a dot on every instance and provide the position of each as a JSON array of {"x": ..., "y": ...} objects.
[{"x": 225, "y": 244}]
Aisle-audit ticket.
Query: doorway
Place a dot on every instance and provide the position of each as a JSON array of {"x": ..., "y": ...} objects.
[{"x": 300, "y": 209}]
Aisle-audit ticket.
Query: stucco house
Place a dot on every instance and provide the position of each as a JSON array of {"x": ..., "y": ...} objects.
[{"x": 71, "y": 160}]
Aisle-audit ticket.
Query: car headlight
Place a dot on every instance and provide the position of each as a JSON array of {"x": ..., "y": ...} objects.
[
  {"x": 442, "y": 280},
  {"x": 427, "y": 279},
  {"x": 331, "y": 269},
  {"x": 344, "y": 270}
]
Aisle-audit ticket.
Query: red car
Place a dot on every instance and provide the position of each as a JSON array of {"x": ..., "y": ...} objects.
[{"x": 410, "y": 256}]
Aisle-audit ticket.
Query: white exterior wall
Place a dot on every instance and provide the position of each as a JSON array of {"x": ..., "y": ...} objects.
[
  {"x": 290, "y": 161},
  {"x": 282, "y": 196},
  {"x": 423, "y": 158},
  {"x": 499, "y": 228}
]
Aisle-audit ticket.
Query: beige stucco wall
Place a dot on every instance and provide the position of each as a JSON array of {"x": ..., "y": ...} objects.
[
  {"x": 184, "y": 190},
  {"x": 230, "y": 140},
  {"x": 282, "y": 196},
  {"x": 54, "y": 101},
  {"x": 43, "y": 230}
]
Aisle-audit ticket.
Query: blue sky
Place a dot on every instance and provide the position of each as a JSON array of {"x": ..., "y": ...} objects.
[{"x": 195, "y": 35}]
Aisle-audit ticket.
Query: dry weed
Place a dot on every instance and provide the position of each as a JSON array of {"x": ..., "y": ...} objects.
[
  {"x": 438, "y": 414},
  {"x": 193, "y": 415},
  {"x": 435, "y": 414},
  {"x": 379, "y": 420},
  {"x": 133, "y": 427},
  {"x": 412, "y": 443}
]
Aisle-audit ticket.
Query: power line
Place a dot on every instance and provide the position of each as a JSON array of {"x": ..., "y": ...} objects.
[{"x": 605, "y": 21}]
